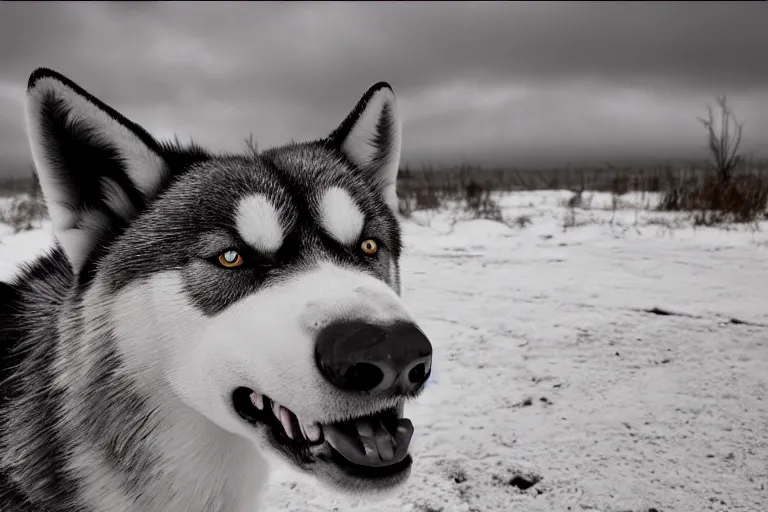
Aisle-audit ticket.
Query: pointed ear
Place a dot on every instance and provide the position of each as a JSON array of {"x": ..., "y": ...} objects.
[
  {"x": 97, "y": 169},
  {"x": 371, "y": 136}
]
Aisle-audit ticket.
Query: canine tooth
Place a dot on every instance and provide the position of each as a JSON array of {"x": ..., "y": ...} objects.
[
  {"x": 257, "y": 399},
  {"x": 313, "y": 431},
  {"x": 285, "y": 419}
]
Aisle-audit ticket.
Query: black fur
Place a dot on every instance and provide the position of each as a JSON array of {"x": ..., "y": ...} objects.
[
  {"x": 26, "y": 369},
  {"x": 336, "y": 138},
  {"x": 140, "y": 132},
  {"x": 382, "y": 140}
]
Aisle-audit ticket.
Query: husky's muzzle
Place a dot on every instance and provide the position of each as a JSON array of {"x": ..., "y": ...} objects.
[
  {"x": 393, "y": 361},
  {"x": 383, "y": 362}
]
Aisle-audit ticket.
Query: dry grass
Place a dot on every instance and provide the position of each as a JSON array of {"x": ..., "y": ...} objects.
[
  {"x": 713, "y": 200},
  {"x": 25, "y": 209},
  {"x": 14, "y": 186},
  {"x": 690, "y": 187},
  {"x": 428, "y": 189}
]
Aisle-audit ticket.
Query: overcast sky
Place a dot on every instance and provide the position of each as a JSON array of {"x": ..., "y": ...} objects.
[{"x": 494, "y": 83}]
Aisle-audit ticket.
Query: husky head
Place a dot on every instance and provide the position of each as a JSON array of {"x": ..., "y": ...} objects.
[{"x": 260, "y": 292}]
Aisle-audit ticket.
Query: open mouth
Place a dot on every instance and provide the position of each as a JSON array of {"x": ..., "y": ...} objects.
[{"x": 371, "y": 446}]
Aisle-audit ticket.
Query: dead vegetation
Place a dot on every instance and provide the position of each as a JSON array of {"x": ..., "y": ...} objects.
[
  {"x": 25, "y": 208},
  {"x": 693, "y": 188},
  {"x": 725, "y": 194},
  {"x": 727, "y": 188},
  {"x": 465, "y": 190},
  {"x": 23, "y": 213}
]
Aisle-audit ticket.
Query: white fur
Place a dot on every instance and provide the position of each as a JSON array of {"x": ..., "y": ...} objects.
[
  {"x": 205, "y": 358},
  {"x": 144, "y": 167},
  {"x": 359, "y": 148},
  {"x": 258, "y": 222},
  {"x": 167, "y": 344},
  {"x": 215, "y": 467},
  {"x": 339, "y": 216}
]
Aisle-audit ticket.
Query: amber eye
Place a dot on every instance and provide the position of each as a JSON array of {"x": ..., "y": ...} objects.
[
  {"x": 230, "y": 259},
  {"x": 370, "y": 247}
]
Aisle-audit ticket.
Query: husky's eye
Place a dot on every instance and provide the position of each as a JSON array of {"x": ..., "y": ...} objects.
[
  {"x": 230, "y": 259},
  {"x": 370, "y": 247}
]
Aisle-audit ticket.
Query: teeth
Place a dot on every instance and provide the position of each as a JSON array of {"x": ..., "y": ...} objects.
[
  {"x": 285, "y": 419},
  {"x": 313, "y": 431},
  {"x": 257, "y": 399}
]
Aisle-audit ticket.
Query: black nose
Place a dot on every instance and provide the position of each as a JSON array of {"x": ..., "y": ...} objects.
[{"x": 356, "y": 356}]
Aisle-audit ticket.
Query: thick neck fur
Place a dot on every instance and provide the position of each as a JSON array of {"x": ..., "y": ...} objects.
[{"x": 78, "y": 433}]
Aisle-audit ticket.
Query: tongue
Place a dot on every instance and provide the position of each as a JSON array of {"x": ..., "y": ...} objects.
[{"x": 367, "y": 442}]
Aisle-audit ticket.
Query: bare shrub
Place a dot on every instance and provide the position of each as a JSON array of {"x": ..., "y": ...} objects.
[
  {"x": 479, "y": 202},
  {"x": 405, "y": 205},
  {"x": 427, "y": 199},
  {"x": 575, "y": 200},
  {"x": 569, "y": 219},
  {"x": 24, "y": 213},
  {"x": 522, "y": 221},
  {"x": 578, "y": 200},
  {"x": 722, "y": 196},
  {"x": 620, "y": 184},
  {"x": 464, "y": 188},
  {"x": 615, "y": 202},
  {"x": 724, "y": 142},
  {"x": 741, "y": 199}
]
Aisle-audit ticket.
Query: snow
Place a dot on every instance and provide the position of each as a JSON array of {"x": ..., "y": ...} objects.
[{"x": 549, "y": 368}]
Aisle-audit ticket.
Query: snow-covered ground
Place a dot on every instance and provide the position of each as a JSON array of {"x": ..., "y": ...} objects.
[{"x": 550, "y": 369}]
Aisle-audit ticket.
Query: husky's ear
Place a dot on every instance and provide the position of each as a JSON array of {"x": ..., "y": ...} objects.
[
  {"x": 97, "y": 169},
  {"x": 370, "y": 137}
]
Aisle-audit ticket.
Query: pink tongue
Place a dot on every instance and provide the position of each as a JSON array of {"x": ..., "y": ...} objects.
[{"x": 367, "y": 442}]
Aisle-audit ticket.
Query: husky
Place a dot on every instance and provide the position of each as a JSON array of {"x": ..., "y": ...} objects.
[{"x": 201, "y": 313}]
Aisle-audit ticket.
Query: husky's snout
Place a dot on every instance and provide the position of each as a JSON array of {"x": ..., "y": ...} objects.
[
  {"x": 391, "y": 360},
  {"x": 394, "y": 359}
]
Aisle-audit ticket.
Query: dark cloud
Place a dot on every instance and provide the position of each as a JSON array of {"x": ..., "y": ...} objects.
[{"x": 546, "y": 80}]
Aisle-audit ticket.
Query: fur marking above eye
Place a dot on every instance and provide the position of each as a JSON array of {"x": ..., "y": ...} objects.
[
  {"x": 369, "y": 247},
  {"x": 340, "y": 216},
  {"x": 259, "y": 223},
  {"x": 230, "y": 259}
]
